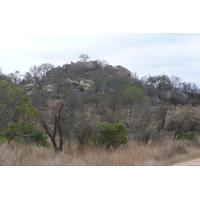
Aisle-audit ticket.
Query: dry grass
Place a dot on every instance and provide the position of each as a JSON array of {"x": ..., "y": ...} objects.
[{"x": 133, "y": 154}]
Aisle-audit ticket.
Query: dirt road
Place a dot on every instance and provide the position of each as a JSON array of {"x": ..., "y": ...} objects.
[{"x": 193, "y": 162}]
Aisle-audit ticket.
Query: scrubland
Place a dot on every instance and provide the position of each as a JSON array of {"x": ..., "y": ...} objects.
[{"x": 65, "y": 107}]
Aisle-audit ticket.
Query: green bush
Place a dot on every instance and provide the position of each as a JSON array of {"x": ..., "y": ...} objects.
[
  {"x": 26, "y": 134},
  {"x": 3, "y": 139},
  {"x": 81, "y": 88},
  {"x": 40, "y": 139},
  {"x": 111, "y": 135},
  {"x": 188, "y": 136},
  {"x": 75, "y": 84}
]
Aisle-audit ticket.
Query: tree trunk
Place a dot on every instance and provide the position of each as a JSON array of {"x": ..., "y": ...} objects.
[
  {"x": 60, "y": 130},
  {"x": 57, "y": 125},
  {"x": 52, "y": 137},
  {"x": 176, "y": 135}
]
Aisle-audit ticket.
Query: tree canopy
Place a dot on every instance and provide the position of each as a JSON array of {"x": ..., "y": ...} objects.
[{"x": 17, "y": 114}]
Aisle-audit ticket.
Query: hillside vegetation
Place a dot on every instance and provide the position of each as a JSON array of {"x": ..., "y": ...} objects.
[{"x": 92, "y": 113}]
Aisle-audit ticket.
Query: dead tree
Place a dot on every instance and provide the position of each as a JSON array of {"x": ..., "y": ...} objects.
[
  {"x": 161, "y": 114},
  {"x": 52, "y": 134}
]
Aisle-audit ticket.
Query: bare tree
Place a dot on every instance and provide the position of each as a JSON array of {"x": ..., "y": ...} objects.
[
  {"x": 145, "y": 118},
  {"x": 82, "y": 127},
  {"x": 58, "y": 80},
  {"x": 102, "y": 63},
  {"x": 84, "y": 57},
  {"x": 52, "y": 134},
  {"x": 108, "y": 114},
  {"x": 131, "y": 96},
  {"x": 194, "y": 101},
  {"x": 184, "y": 121},
  {"x": 15, "y": 77},
  {"x": 175, "y": 83},
  {"x": 142, "y": 113},
  {"x": 160, "y": 115},
  {"x": 37, "y": 75}
]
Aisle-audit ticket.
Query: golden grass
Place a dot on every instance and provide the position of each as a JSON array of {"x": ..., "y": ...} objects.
[{"x": 133, "y": 154}]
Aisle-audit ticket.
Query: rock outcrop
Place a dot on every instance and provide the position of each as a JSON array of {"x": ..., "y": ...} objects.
[
  {"x": 84, "y": 65},
  {"x": 123, "y": 71},
  {"x": 86, "y": 83},
  {"x": 110, "y": 69},
  {"x": 118, "y": 69},
  {"x": 180, "y": 96}
]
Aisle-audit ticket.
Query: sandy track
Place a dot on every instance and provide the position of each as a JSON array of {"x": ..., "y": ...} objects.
[{"x": 193, "y": 162}]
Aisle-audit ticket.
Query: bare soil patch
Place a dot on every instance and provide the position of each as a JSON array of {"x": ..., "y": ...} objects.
[{"x": 192, "y": 162}]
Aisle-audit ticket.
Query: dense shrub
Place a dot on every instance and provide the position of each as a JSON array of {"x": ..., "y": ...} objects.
[
  {"x": 25, "y": 134},
  {"x": 188, "y": 136},
  {"x": 111, "y": 134},
  {"x": 3, "y": 139},
  {"x": 81, "y": 88},
  {"x": 40, "y": 139}
]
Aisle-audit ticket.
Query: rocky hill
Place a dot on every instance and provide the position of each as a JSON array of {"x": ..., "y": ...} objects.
[
  {"x": 85, "y": 75},
  {"x": 84, "y": 67},
  {"x": 82, "y": 75}
]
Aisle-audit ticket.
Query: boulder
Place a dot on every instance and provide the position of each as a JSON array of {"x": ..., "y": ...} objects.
[
  {"x": 89, "y": 65},
  {"x": 168, "y": 94},
  {"x": 181, "y": 94},
  {"x": 86, "y": 83},
  {"x": 123, "y": 71},
  {"x": 29, "y": 85},
  {"x": 110, "y": 69},
  {"x": 178, "y": 97},
  {"x": 155, "y": 100},
  {"x": 49, "y": 88}
]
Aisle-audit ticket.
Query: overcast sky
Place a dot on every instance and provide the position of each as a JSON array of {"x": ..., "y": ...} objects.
[{"x": 56, "y": 32}]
